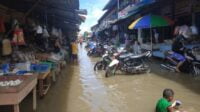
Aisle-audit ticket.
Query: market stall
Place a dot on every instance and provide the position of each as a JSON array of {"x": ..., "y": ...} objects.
[{"x": 33, "y": 42}]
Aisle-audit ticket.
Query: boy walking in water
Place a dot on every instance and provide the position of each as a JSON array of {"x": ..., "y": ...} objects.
[
  {"x": 74, "y": 47},
  {"x": 165, "y": 103}
]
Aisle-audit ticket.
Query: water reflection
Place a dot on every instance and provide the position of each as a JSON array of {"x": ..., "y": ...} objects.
[{"x": 100, "y": 96}]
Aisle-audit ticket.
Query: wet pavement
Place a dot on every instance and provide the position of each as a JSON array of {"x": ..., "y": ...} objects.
[{"x": 80, "y": 89}]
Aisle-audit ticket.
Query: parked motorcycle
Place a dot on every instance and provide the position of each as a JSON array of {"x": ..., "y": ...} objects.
[
  {"x": 96, "y": 51},
  {"x": 106, "y": 59},
  {"x": 101, "y": 65},
  {"x": 90, "y": 45},
  {"x": 129, "y": 63}
]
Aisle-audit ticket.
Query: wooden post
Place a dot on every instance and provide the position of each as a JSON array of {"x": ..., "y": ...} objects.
[
  {"x": 192, "y": 3},
  {"x": 34, "y": 99},
  {"x": 41, "y": 87},
  {"x": 151, "y": 39},
  {"x": 16, "y": 108},
  {"x": 32, "y": 8},
  {"x": 54, "y": 75},
  {"x": 173, "y": 8}
]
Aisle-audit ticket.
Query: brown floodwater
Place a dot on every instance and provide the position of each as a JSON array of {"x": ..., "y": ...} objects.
[{"x": 80, "y": 89}]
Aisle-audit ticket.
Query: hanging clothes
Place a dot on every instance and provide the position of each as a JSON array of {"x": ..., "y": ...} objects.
[
  {"x": 45, "y": 33},
  {"x": 18, "y": 37},
  {"x": 6, "y": 47},
  {"x": 39, "y": 30}
]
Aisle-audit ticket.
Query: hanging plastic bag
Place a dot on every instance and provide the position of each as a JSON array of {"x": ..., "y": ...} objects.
[{"x": 18, "y": 36}]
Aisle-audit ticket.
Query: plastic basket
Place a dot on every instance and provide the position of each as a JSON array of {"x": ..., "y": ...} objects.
[{"x": 40, "y": 67}]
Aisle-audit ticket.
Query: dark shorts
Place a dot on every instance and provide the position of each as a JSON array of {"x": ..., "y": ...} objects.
[
  {"x": 74, "y": 56},
  {"x": 178, "y": 57}
]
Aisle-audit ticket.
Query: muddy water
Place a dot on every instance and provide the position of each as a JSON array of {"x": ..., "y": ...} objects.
[{"x": 80, "y": 89}]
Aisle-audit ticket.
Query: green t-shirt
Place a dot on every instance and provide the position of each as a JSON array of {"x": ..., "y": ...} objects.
[{"x": 162, "y": 105}]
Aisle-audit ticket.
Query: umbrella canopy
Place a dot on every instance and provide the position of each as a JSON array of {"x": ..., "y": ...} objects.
[{"x": 150, "y": 21}]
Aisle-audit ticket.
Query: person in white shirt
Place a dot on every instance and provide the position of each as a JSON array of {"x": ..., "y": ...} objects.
[
  {"x": 156, "y": 36},
  {"x": 136, "y": 48},
  {"x": 38, "y": 37},
  {"x": 45, "y": 36}
]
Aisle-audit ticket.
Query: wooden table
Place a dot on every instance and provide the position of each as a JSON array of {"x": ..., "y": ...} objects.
[
  {"x": 15, "y": 95},
  {"x": 44, "y": 80}
]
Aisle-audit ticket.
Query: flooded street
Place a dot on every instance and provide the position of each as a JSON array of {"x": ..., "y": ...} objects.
[
  {"x": 40, "y": 39},
  {"x": 80, "y": 89}
]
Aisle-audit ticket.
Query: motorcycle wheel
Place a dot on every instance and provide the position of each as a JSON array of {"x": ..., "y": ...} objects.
[
  {"x": 89, "y": 53},
  {"x": 196, "y": 70},
  {"x": 99, "y": 66},
  {"x": 147, "y": 69},
  {"x": 142, "y": 69},
  {"x": 110, "y": 71}
]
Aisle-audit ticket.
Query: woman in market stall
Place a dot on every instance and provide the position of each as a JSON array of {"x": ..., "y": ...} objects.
[{"x": 57, "y": 46}]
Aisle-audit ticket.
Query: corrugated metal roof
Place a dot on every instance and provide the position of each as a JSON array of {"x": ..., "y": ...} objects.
[
  {"x": 60, "y": 10},
  {"x": 110, "y": 4}
]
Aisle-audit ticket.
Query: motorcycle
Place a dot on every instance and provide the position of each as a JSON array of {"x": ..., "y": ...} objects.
[
  {"x": 106, "y": 59},
  {"x": 191, "y": 65},
  {"x": 96, "y": 51},
  {"x": 129, "y": 63},
  {"x": 101, "y": 65}
]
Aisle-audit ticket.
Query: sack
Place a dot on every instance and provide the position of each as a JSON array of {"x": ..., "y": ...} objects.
[{"x": 6, "y": 47}]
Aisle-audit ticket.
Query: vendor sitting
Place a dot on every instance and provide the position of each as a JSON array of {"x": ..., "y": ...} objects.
[
  {"x": 57, "y": 46},
  {"x": 136, "y": 48}
]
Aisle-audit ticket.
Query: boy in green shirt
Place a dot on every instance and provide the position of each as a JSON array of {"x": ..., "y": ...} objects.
[{"x": 165, "y": 103}]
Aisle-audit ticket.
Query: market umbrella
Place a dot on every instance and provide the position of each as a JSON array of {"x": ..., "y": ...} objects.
[{"x": 150, "y": 21}]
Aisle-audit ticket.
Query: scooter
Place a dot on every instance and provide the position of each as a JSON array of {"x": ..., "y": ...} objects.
[
  {"x": 129, "y": 63},
  {"x": 191, "y": 64}
]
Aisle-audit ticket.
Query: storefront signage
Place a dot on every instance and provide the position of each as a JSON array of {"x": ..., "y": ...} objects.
[{"x": 124, "y": 12}]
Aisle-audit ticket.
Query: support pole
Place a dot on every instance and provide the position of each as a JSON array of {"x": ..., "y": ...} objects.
[
  {"x": 151, "y": 39},
  {"x": 32, "y": 8}
]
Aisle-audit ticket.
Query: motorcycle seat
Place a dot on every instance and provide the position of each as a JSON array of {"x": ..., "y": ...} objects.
[
  {"x": 125, "y": 55},
  {"x": 140, "y": 55}
]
